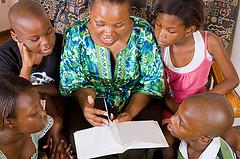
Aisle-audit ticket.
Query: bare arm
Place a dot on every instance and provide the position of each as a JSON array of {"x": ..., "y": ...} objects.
[
  {"x": 82, "y": 94},
  {"x": 55, "y": 134},
  {"x": 49, "y": 89},
  {"x": 170, "y": 102},
  {"x": 25, "y": 72},
  {"x": 231, "y": 79},
  {"x": 28, "y": 59}
]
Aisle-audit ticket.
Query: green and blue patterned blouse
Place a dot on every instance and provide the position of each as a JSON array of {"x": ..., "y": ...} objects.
[{"x": 138, "y": 67}]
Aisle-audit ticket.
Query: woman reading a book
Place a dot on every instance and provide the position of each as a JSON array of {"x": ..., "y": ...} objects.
[{"x": 113, "y": 56}]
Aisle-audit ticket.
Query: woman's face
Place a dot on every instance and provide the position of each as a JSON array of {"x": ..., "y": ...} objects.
[
  {"x": 109, "y": 22},
  {"x": 30, "y": 115}
]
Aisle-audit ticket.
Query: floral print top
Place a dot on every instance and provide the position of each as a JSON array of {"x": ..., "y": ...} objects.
[{"x": 138, "y": 67}]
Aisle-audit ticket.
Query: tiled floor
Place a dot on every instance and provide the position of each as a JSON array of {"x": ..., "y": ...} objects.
[{"x": 5, "y": 36}]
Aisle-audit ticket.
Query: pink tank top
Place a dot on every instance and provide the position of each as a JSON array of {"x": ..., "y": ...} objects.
[{"x": 192, "y": 78}]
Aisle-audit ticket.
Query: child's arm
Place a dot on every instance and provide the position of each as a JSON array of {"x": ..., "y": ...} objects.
[
  {"x": 28, "y": 59},
  {"x": 49, "y": 89},
  {"x": 217, "y": 50},
  {"x": 170, "y": 102},
  {"x": 55, "y": 133}
]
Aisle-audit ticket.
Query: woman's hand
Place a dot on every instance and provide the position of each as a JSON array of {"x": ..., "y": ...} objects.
[
  {"x": 137, "y": 103},
  {"x": 93, "y": 115},
  {"x": 123, "y": 117}
]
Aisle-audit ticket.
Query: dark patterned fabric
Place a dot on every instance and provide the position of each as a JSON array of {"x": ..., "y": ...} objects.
[
  {"x": 221, "y": 15},
  {"x": 144, "y": 9},
  {"x": 65, "y": 12}
]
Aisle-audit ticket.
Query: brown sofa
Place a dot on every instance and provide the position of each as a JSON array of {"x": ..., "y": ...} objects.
[{"x": 220, "y": 16}]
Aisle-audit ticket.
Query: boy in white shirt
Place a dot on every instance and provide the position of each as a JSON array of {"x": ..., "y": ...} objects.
[{"x": 198, "y": 123}]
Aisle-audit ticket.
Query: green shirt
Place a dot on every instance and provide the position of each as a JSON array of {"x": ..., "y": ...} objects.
[
  {"x": 217, "y": 149},
  {"x": 138, "y": 67}
]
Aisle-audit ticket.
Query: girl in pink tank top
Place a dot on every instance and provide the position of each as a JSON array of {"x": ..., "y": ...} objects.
[
  {"x": 190, "y": 79},
  {"x": 188, "y": 54}
]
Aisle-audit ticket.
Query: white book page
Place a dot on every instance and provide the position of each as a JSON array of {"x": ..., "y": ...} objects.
[
  {"x": 96, "y": 142},
  {"x": 115, "y": 132},
  {"x": 141, "y": 134}
]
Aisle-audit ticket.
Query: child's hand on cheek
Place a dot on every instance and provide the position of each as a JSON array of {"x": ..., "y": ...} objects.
[{"x": 28, "y": 57}]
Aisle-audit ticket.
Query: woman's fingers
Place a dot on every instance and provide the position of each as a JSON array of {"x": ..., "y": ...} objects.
[
  {"x": 123, "y": 117},
  {"x": 95, "y": 117}
]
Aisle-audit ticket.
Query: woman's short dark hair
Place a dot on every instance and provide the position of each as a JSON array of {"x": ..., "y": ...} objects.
[
  {"x": 191, "y": 12},
  {"x": 10, "y": 88},
  {"x": 91, "y": 2}
]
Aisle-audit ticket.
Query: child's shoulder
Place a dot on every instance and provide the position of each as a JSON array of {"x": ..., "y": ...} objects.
[
  {"x": 213, "y": 40},
  {"x": 211, "y": 37}
]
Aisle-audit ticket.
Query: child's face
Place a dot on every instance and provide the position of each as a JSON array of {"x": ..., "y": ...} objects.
[
  {"x": 37, "y": 34},
  {"x": 109, "y": 23},
  {"x": 182, "y": 125},
  {"x": 30, "y": 116},
  {"x": 169, "y": 30}
]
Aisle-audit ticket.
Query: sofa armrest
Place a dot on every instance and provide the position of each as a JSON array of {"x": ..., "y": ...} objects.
[{"x": 232, "y": 96}]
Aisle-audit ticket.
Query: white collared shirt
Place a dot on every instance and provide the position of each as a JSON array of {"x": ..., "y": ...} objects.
[{"x": 210, "y": 152}]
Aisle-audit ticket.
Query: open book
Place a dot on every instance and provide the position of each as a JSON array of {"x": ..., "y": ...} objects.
[{"x": 117, "y": 138}]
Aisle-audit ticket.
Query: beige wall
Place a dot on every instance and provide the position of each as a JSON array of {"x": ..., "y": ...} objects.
[
  {"x": 235, "y": 57},
  {"x": 4, "y": 8}
]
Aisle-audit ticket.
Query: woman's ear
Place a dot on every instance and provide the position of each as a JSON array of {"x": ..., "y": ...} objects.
[{"x": 14, "y": 36}]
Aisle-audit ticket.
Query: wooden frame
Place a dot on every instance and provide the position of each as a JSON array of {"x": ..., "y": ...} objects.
[{"x": 232, "y": 96}]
